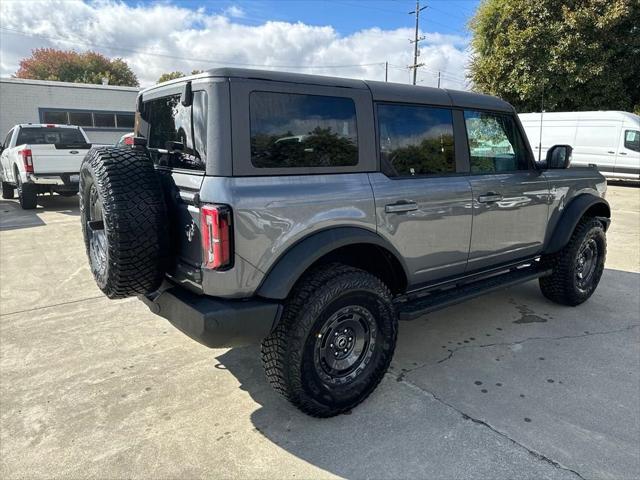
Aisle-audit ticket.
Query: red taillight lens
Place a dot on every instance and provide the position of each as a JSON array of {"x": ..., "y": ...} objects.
[
  {"x": 215, "y": 225},
  {"x": 27, "y": 159},
  {"x": 128, "y": 141}
]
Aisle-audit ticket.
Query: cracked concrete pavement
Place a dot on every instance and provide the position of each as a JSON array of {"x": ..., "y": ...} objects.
[{"x": 503, "y": 386}]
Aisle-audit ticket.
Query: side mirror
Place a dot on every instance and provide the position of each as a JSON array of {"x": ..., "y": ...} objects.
[
  {"x": 186, "y": 99},
  {"x": 559, "y": 156}
]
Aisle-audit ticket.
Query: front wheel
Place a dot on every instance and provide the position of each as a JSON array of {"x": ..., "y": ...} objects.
[
  {"x": 578, "y": 267},
  {"x": 7, "y": 191},
  {"x": 334, "y": 342}
]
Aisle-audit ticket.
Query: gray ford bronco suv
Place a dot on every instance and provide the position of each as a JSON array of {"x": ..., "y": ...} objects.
[{"x": 312, "y": 213}]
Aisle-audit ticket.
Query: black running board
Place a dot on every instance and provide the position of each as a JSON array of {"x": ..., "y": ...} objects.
[{"x": 414, "y": 308}]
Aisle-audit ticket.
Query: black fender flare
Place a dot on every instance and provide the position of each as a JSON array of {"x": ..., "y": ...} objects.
[
  {"x": 290, "y": 266},
  {"x": 572, "y": 214}
]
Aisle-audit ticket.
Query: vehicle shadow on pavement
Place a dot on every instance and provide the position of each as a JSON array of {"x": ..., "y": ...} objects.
[
  {"x": 429, "y": 417},
  {"x": 13, "y": 217}
]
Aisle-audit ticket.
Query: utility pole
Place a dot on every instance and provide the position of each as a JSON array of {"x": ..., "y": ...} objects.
[
  {"x": 438, "y": 78},
  {"x": 415, "y": 41},
  {"x": 386, "y": 71}
]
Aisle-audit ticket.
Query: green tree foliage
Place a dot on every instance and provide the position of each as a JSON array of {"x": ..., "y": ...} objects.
[
  {"x": 165, "y": 77},
  {"x": 71, "y": 66},
  {"x": 585, "y": 54}
]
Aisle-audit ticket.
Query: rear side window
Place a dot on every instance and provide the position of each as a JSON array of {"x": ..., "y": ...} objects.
[
  {"x": 293, "y": 130},
  {"x": 47, "y": 136},
  {"x": 176, "y": 135},
  {"x": 495, "y": 143},
  {"x": 415, "y": 140},
  {"x": 632, "y": 140}
]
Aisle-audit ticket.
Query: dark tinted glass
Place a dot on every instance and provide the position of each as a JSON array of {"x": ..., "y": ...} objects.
[
  {"x": 416, "y": 140},
  {"x": 169, "y": 131},
  {"x": 43, "y": 136},
  {"x": 632, "y": 140},
  {"x": 55, "y": 117},
  {"x": 104, "y": 120},
  {"x": 495, "y": 143},
  {"x": 291, "y": 130},
  {"x": 82, "y": 119},
  {"x": 125, "y": 120}
]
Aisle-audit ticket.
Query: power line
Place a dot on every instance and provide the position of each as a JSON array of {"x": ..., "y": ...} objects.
[{"x": 176, "y": 57}]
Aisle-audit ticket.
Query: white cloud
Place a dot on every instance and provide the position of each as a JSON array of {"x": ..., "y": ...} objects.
[{"x": 163, "y": 37}]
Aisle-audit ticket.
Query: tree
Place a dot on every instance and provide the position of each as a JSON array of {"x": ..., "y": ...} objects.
[
  {"x": 71, "y": 66},
  {"x": 165, "y": 77},
  {"x": 582, "y": 54}
]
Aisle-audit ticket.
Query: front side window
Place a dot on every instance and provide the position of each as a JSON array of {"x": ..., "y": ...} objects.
[
  {"x": 632, "y": 140},
  {"x": 416, "y": 140},
  {"x": 292, "y": 131},
  {"x": 495, "y": 143},
  {"x": 50, "y": 136},
  {"x": 171, "y": 139}
]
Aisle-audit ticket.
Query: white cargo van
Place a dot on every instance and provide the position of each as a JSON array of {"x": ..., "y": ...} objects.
[{"x": 608, "y": 139}]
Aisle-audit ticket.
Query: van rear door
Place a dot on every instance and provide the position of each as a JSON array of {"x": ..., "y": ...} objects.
[{"x": 176, "y": 138}]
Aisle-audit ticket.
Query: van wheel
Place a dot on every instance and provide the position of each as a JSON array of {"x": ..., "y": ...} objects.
[
  {"x": 334, "y": 341},
  {"x": 27, "y": 194},
  {"x": 578, "y": 267},
  {"x": 124, "y": 221},
  {"x": 7, "y": 191}
]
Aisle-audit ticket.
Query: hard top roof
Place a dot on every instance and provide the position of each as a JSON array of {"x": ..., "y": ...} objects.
[{"x": 381, "y": 91}]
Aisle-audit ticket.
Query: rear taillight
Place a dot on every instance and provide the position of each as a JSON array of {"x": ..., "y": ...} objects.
[
  {"x": 27, "y": 159},
  {"x": 128, "y": 141},
  {"x": 215, "y": 226}
]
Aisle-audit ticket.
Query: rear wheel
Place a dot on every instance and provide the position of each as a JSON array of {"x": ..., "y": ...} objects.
[
  {"x": 578, "y": 267},
  {"x": 7, "y": 191},
  {"x": 124, "y": 221},
  {"x": 334, "y": 342},
  {"x": 27, "y": 194}
]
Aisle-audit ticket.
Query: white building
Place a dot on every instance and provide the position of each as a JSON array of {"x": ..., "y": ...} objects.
[{"x": 105, "y": 112}]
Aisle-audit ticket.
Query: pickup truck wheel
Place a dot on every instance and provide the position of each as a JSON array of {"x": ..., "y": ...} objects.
[
  {"x": 124, "y": 221},
  {"x": 577, "y": 268},
  {"x": 7, "y": 191},
  {"x": 334, "y": 341},
  {"x": 27, "y": 194}
]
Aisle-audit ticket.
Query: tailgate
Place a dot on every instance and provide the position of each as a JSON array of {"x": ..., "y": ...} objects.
[{"x": 57, "y": 158}]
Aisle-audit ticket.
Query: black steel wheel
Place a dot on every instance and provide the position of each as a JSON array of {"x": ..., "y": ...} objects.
[
  {"x": 578, "y": 267},
  {"x": 334, "y": 341}
]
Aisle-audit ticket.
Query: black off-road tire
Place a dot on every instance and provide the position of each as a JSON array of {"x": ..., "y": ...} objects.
[
  {"x": 290, "y": 354},
  {"x": 124, "y": 221},
  {"x": 564, "y": 286},
  {"x": 7, "y": 191},
  {"x": 27, "y": 194}
]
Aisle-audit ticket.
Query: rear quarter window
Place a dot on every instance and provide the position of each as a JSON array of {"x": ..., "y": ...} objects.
[
  {"x": 297, "y": 130},
  {"x": 176, "y": 135}
]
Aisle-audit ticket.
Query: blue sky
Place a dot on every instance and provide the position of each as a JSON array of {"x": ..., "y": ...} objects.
[
  {"x": 346, "y": 16},
  {"x": 350, "y": 38}
]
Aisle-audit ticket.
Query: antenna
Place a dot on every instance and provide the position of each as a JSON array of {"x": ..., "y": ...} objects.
[{"x": 541, "y": 114}]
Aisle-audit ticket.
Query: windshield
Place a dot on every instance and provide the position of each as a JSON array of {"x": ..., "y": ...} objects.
[{"x": 49, "y": 135}]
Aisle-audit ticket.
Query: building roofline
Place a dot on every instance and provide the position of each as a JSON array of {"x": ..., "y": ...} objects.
[{"x": 53, "y": 83}]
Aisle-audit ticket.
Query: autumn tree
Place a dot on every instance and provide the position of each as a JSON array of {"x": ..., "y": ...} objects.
[
  {"x": 165, "y": 77},
  {"x": 582, "y": 54},
  {"x": 71, "y": 66}
]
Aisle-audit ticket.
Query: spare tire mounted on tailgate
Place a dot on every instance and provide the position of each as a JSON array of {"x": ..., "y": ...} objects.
[{"x": 124, "y": 221}]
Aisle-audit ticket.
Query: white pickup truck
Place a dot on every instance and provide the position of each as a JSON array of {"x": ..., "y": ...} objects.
[{"x": 39, "y": 158}]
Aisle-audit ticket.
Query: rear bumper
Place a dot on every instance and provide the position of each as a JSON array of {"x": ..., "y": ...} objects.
[
  {"x": 214, "y": 322},
  {"x": 61, "y": 179}
]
